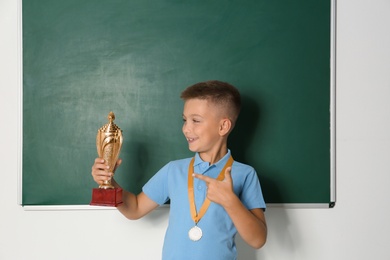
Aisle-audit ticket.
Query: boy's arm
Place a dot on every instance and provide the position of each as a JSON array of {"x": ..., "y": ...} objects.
[
  {"x": 133, "y": 206},
  {"x": 250, "y": 224}
]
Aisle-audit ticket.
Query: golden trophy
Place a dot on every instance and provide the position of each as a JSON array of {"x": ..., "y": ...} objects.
[{"x": 109, "y": 141}]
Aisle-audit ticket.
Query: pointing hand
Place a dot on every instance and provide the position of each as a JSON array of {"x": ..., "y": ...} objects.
[{"x": 219, "y": 192}]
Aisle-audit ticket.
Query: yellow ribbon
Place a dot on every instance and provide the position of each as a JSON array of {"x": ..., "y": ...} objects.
[{"x": 191, "y": 194}]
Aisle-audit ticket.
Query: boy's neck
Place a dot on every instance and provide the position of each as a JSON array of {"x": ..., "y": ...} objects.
[{"x": 214, "y": 156}]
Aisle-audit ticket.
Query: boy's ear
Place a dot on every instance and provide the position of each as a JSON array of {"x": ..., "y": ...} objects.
[{"x": 225, "y": 126}]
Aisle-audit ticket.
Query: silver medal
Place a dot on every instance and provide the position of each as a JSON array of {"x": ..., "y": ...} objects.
[{"x": 195, "y": 233}]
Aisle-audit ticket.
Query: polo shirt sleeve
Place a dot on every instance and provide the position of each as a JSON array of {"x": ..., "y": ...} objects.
[
  {"x": 251, "y": 195},
  {"x": 157, "y": 187}
]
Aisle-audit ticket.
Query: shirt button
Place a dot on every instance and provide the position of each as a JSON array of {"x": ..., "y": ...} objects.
[{"x": 199, "y": 187}]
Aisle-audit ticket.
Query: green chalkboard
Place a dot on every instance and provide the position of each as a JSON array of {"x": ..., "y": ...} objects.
[{"x": 83, "y": 59}]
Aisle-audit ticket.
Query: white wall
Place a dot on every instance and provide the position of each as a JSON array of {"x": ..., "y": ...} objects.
[{"x": 357, "y": 228}]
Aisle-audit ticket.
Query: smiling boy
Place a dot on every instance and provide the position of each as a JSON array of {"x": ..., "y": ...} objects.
[{"x": 212, "y": 197}]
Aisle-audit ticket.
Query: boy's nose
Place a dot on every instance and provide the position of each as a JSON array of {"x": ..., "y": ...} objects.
[{"x": 185, "y": 128}]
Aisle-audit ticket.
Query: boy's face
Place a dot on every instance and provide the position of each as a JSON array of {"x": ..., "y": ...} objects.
[{"x": 201, "y": 125}]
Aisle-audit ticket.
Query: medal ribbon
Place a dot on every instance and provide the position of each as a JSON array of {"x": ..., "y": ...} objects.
[{"x": 191, "y": 194}]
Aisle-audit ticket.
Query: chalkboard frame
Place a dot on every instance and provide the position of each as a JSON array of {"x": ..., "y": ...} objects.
[{"x": 286, "y": 205}]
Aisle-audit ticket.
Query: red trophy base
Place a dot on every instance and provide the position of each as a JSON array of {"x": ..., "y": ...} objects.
[{"x": 106, "y": 197}]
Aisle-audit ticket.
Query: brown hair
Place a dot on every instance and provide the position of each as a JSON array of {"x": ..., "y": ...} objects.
[{"x": 219, "y": 93}]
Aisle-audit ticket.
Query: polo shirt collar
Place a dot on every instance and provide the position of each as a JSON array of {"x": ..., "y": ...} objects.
[{"x": 205, "y": 165}]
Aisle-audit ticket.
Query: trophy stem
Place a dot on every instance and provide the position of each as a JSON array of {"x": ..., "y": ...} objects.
[{"x": 106, "y": 185}]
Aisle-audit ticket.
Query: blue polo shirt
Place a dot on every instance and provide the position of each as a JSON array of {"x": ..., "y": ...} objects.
[{"x": 217, "y": 242}]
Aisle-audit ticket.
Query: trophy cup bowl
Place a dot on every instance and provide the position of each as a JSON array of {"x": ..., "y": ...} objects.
[{"x": 109, "y": 141}]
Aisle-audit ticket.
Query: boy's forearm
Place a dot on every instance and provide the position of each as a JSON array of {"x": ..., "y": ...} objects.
[
  {"x": 134, "y": 206},
  {"x": 129, "y": 206},
  {"x": 250, "y": 225}
]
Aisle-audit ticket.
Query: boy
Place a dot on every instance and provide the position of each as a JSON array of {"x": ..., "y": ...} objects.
[{"x": 211, "y": 196}]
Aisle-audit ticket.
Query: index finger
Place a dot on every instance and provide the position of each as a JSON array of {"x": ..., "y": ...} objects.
[
  {"x": 202, "y": 177},
  {"x": 100, "y": 164},
  {"x": 99, "y": 160}
]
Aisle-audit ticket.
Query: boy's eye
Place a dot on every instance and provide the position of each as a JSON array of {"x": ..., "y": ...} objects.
[{"x": 193, "y": 120}]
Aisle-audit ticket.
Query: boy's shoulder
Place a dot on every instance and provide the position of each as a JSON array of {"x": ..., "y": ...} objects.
[
  {"x": 242, "y": 165},
  {"x": 244, "y": 169}
]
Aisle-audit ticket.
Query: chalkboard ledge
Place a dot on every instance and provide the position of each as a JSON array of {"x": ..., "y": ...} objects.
[
  {"x": 302, "y": 205},
  {"x": 88, "y": 207}
]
